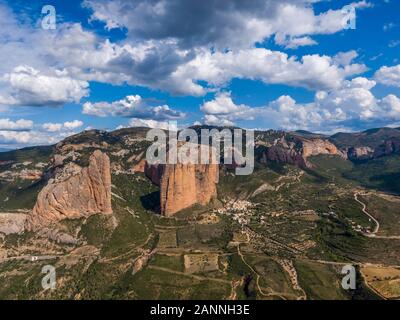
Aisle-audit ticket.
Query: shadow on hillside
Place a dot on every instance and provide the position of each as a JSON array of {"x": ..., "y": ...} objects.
[
  {"x": 388, "y": 182},
  {"x": 151, "y": 201}
]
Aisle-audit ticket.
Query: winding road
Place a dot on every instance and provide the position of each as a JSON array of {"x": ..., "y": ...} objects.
[
  {"x": 364, "y": 209},
  {"x": 377, "y": 225}
]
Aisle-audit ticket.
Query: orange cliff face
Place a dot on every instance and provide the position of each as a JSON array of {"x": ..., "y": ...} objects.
[
  {"x": 74, "y": 192},
  {"x": 183, "y": 185},
  {"x": 319, "y": 146}
]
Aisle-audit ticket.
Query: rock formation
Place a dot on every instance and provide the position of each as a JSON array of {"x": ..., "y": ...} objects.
[
  {"x": 284, "y": 155},
  {"x": 319, "y": 146},
  {"x": 296, "y": 150},
  {"x": 74, "y": 192},
  {"x": 358, "y": 153},
  {"x": 391, "y": 146},
  {"x": 140, "y": 166},
  {"x": 183, "y": 185},
  {"x": 12, "y": 223}
]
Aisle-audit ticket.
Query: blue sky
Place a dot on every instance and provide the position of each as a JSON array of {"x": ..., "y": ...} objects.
[{"x": 290, "y": 64}]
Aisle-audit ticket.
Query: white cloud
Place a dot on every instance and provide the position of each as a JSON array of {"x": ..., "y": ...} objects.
[
  {"x": 34, "y": 137},
  {"x": 22, "y": 132},
  {"x": 295, "y": 42},
  {"x": 19, "y": 125},
  {"x": 28, "y": 86},
  {"x": 162, "y": 51},
  {"x": 159, "y": 60},
  {"x": 272, "y": 67},
  {"x": 73, "y": 124},
  {"x": 52, "y": 127},
  {"x": 66, "y": 126},
  {"x": 239, "y": 25},
  {"x": 148, "y": 123},
  {"x": 351, "y": 106},
  {"x": 133, "y": 106},
  {"x": 362, "y": 4},
  {"x": 222, "y": 104},
  {"x": 345, "y": 58},
  {"x": 213, "y": 120},
  {"x": 16, "y": 137},
  {"x": 389, "y": 76},
  {"x": 391, "y": 106}
]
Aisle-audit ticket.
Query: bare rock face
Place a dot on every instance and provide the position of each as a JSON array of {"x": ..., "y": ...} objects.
[
  {"x": 183, "y": 185},
  {"x": 154, "y": 172},
  {"x": 12, "y": 223},
  {"x": 284, "y": 155},
  {"x": 319, "y": 146},
  {"x": 388, "y": 147},
  {"x": 140, "y": 166},
  {"x": 74, "y": 192},
  {"x": 391, "y": 146},
  {"x": 297, "y": 150},
  {"x": 358, "y": 153}
]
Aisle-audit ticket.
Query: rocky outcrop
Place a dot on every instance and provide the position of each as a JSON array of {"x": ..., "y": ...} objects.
[
  {"x": 296, "y": 150},
  {"x": 140, "y": 166},
  {"x": 74, "y": 192},
  {"x": 360, "y": 153},
  {"x": 391, "y": 146},
  {"x": 183, "y": 185},
  {"x": 284, "y": 155},
  {"x": 316, "y": 147},
  {"x": 154, "y": 172},
  {"x": 12, "y": 223}
]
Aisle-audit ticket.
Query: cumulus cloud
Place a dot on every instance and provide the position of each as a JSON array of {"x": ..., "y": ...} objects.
[
  {"x": 389, "y": 76},
  {"x": 294, "y": 43},
  {"x": 52, "y": 127},
  {"x": 353, "y": 105},
  {"x": 161, "y": 57},
  {"x": 168, "y": 48},
  {"x": 148, "y": 123},
  {"x": 345, "y": 58},
  {"x": 133, "y": 106},
  {"x": 18, "y": 139},
  {"x": 217, "y": 23},
  {"x": 66, "y": 126},
  {"x": 314, "y": 72},
  {"x": 163, "y": 65},
  {"x": 222, "y": 104},
  {"x": 22, "y": 132},
  {"x": 29, "y": 87},
  {"x": 213, "y": 120},
  {"x": 73, "y": 124},
  {"x": 19, "y": 125}
]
